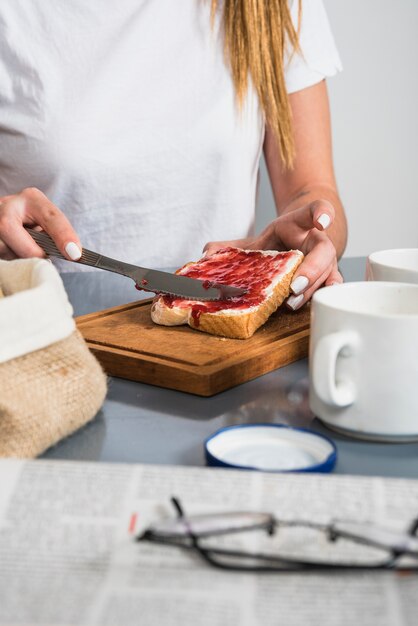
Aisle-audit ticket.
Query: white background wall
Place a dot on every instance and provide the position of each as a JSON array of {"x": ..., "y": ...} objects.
[{"x": 374, "y": 104}]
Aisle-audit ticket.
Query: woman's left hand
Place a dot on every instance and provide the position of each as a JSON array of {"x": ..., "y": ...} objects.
[{"x": 301, "y": 229}]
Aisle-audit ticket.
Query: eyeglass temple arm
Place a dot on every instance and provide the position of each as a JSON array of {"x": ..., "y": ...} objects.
[
  {"x": 399, "y": 543},
  {"x": 180, "y": 512},
  {"x": 177, "y": 505},
  {"x": 413, "y": 528}
]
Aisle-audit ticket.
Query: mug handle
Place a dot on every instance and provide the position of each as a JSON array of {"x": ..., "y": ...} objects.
[{"x": 327, "y": 351}]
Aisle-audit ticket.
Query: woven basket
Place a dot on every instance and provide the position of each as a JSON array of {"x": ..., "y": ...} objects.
[{"x": 50, "y": 383}]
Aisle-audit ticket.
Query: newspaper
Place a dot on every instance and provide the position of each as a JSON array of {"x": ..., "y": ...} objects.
[{"x": 68, "y": 553}]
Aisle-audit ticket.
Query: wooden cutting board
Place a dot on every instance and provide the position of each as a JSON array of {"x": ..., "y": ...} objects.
[{"x": 129, "y": 345}]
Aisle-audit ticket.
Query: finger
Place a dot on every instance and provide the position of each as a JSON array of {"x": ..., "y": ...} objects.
[
  {"x": 296, "y": 302},
  {"x": 43, "y": 212},
  {"x": 335, "y": 278},
  {"x": 327, "y": 278},
  {"x": 213, "y": 246},
  {"x": 15, "y": 239},
  {"x": 6, "y": 253},
  {"x": 4, "y": 199},
  {"x": 316, "y": 263}
]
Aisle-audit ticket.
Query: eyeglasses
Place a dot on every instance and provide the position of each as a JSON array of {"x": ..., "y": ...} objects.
[{"x": 348, "y": 545}]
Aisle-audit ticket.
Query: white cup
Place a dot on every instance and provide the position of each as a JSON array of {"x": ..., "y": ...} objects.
[
  {"x": 393, "y": 265},
  {"x": 364, "y": 359}
]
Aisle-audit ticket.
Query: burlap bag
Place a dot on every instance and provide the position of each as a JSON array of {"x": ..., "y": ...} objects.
[{"x": 50, "y": 384}]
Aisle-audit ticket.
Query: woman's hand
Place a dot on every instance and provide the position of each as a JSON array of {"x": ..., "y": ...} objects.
[
  {"x": 32, "y": 208},
  {"x": 301, "y": 229}
]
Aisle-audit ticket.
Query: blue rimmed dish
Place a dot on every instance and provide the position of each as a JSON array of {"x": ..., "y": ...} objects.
[{"x": 270, "y": 448}]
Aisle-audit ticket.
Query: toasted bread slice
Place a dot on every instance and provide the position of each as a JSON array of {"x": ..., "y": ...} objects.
[{"x": 266, "y": 274}]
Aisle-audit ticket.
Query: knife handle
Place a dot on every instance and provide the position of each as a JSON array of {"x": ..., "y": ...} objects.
[{"x": 88, "y": 257}]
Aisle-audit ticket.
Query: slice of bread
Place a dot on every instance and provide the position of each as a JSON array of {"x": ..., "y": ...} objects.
[{"x": 266, "y": 274}]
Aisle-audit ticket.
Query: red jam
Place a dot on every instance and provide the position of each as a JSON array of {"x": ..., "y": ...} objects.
[
  {"x": 251, "y": 270},
  {"x": 144, "y": 282}
]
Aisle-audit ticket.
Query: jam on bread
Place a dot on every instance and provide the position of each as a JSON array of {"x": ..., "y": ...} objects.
[{"x": 266, "y": 274}]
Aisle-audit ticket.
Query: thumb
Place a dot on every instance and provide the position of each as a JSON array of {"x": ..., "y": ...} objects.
[
  {"x": 318, "y": 214},
  {"x": 323, "y": 214}
]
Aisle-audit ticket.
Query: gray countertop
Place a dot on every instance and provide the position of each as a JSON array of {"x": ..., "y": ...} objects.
[{"x": 145, "y": 424}]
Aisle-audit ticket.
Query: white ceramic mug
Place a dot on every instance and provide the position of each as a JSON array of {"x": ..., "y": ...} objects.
[
  {"x": 364, "y": 359},
  {"x": 393, "y": 265}
]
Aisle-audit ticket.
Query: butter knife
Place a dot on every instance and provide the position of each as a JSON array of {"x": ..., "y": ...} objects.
[{"x": 151, "y": 280}]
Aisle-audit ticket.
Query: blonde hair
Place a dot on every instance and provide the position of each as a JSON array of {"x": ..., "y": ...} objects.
[{"x": 256, "y": 33}]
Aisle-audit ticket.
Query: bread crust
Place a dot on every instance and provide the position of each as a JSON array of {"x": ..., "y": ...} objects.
[{"x": 229, "y": 322}]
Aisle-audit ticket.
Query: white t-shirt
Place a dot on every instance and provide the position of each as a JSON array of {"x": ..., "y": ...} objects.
[{"x": 124, "y": 115}]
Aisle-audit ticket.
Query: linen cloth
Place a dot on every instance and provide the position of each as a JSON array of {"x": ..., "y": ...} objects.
[{"x": 50, "y": 383}]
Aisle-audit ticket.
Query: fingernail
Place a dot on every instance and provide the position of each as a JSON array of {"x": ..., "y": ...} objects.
[
  {"x": 299, "y": 284},
  {"x": 73, "y": 251},
  {"x": 295, "y": 301},
  {"x": 324, "y": 220}
]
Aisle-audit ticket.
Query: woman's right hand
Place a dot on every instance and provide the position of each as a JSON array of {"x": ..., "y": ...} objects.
[{"x": 32, "y": 208}]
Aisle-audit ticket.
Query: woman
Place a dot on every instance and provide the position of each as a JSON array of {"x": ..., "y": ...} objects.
[{"x": 144, "y": 123}]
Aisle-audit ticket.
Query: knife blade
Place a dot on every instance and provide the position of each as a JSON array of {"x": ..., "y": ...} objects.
[{"x": 154, "y": 281}]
